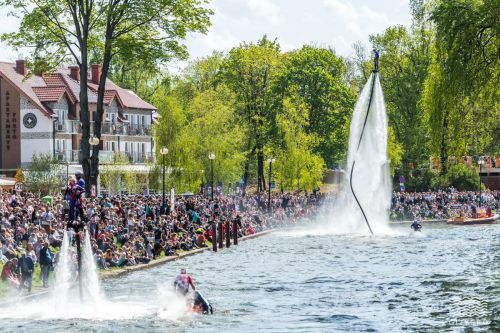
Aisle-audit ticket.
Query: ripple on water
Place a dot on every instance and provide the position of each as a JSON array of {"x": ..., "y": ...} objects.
[{"x": 445, "y": 282}]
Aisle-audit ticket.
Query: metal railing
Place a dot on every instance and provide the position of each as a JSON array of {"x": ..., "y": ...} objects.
[
  {"x": 105, "y": 156},
  {"x": 70, "y": 156},
  {"x": 68, "y": 126},
  {"x": 74, "y": 126}
]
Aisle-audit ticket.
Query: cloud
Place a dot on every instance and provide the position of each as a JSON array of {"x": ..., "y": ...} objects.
[
  {"x": 360, "y": 20},
  {"x": 265, "y": 10}
]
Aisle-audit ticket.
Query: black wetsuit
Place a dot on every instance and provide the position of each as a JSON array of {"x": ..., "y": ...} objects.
[{"x": 416, "y": 226}]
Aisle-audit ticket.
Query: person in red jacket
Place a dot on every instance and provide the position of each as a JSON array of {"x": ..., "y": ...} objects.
[{"x": 182, "y": 283}]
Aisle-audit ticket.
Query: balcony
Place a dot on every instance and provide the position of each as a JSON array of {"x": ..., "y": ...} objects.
[
  {"x": 70, "y": 156},
  {"x": 69, "y": 126},
  {"x": 139, "y": 158},
  {"x": 125, "y": 129},
  {"x": 105, "y": 156},
  {"x": 107, "y": 128}
]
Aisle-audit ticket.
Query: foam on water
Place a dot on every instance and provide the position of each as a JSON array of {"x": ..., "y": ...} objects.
[{"x": 63, "y": 300}]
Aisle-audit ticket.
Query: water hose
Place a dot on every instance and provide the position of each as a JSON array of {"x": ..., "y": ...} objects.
[{"x": 359, "y": 143}]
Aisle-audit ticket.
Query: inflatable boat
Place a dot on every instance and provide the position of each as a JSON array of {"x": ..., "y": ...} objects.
[{"x": 470, "y": 220}]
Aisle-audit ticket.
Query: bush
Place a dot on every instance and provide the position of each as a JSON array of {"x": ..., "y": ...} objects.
[
  {"x": 463, "y": 178},
  {"x": 459, "y": 176},
  {"x": 420, "y": 180}
]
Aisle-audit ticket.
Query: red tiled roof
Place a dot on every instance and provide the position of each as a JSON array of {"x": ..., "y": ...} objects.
[
  {"x": 49, "y": 94},
  {"x": 24, "y": 84},
  {"x": 51, "y": 87},
  {"x": 128, "y": 98},
  {"x": 54, "y": 80}
]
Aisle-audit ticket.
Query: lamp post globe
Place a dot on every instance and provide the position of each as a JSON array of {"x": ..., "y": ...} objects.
[{"x": 94, "y": 141}]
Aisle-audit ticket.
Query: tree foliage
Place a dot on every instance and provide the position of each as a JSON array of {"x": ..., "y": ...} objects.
[
  {"x": 315, "y": 76},
  {"x": 43, "y": 175}
]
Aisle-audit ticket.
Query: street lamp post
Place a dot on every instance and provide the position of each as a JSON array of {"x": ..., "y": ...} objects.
[
  {"x": 54, "y": 117},
  {"x": 67, "y": 171},
  {"x": 270, "y": 161},
  {"x": 93, "y": 141},
  {"x": 211, "y": 157},
  {"x": 163, "y": 152},
  {"x": 480, "y": 162}
]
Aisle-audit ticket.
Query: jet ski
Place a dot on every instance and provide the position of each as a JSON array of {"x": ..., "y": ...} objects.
[{"x": 201, "y": 305}]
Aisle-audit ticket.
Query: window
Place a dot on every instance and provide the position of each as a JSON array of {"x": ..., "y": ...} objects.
[{"x": 126, "y": 147}]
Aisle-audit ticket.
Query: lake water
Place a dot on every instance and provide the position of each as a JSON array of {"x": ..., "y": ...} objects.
[{"x": 446, "y": 279}]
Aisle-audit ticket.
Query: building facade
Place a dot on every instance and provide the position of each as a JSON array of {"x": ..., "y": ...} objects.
[{"x": 40, "y": 114}]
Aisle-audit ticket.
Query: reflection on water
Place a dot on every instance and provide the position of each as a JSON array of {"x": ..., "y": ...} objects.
[{"x": 290, "y": 281}]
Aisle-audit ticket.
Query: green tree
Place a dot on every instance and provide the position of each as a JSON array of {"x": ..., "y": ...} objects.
[
  {"x": 249, "y": 71},
  {"x": 297, "y": 166},
  {"x": 316, "y": 76},
  {"x": 135, "y": 29},
  {"x": 42, "y": 176},
  {"x": 405, "y": 57}
]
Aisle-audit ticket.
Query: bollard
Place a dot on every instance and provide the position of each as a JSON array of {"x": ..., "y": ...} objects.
[
  {"x": 221, "y": 236},
  {"x": 235, "y": 232},
  {"x": 214, "y": 237},
  {"x": 228, "y": 235}
]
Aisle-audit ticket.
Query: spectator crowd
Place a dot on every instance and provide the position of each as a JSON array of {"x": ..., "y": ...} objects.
[
  {"x": 128, "y": 230},
  {"x": 443, "y": 204}
]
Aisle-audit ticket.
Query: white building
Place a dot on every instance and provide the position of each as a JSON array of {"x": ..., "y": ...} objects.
[{"x": 40, "y": 114}]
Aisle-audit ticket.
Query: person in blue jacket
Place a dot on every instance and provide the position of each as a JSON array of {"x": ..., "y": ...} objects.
[
  {"x": 45, "y": 263},
  {"x": 26, "y": 266}
]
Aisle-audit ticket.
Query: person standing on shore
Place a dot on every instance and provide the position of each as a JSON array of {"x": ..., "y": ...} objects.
[
  {"x": 45, "y": 263},
  {"x": 26, "y": 266}
]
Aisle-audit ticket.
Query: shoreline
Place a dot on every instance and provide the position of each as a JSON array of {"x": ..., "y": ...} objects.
[{"x": 108, "y": 275}]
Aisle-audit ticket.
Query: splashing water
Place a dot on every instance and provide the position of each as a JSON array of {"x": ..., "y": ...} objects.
[
  {"x": 90, "y": 278},
  {"x": 371, "y": 180},
  {"x": 63, "y": 301}
]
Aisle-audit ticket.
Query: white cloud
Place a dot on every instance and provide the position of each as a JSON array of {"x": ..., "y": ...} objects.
[
  {"x": 265, "y": 10},
  {"x": 360, "y": 21},
  {"x": 9, "y": 24}
]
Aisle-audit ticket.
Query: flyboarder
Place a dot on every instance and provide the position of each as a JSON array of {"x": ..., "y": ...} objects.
[
  {"x": 375, "y": 61},
  {"x": 415, "y": 225}
]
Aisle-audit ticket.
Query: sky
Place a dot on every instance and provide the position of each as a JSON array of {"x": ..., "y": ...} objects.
[{"x": 327, "y": 23}]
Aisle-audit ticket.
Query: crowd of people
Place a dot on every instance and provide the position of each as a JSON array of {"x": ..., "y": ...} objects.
[
  {"x": 443, "y": 204},
  {"x": 127, "y": 230}
]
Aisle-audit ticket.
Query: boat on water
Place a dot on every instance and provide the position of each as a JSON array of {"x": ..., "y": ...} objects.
[{"x": 470, "y": 220}]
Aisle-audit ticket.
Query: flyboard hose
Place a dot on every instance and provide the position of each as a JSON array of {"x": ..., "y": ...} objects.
[{"x": 359, "y": 143}]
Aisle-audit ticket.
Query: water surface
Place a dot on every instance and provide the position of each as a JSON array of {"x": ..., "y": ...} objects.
[{"x": 445, "y": 280}]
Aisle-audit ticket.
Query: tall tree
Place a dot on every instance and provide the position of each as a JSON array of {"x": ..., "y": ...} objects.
[
  {"x": 151, "y": 31},
  {"x": 56, "y": 30},
  {"x": 249, "y": 70},
  {"x": 405, "y": 57},
  {"x": 316, "y": 76}
]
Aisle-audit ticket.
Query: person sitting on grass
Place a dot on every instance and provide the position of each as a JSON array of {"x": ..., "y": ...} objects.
[{"x": 8, "y": 273}]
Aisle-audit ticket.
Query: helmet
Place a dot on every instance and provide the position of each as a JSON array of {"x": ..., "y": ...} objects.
[{"x": 78, "y": 173}]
